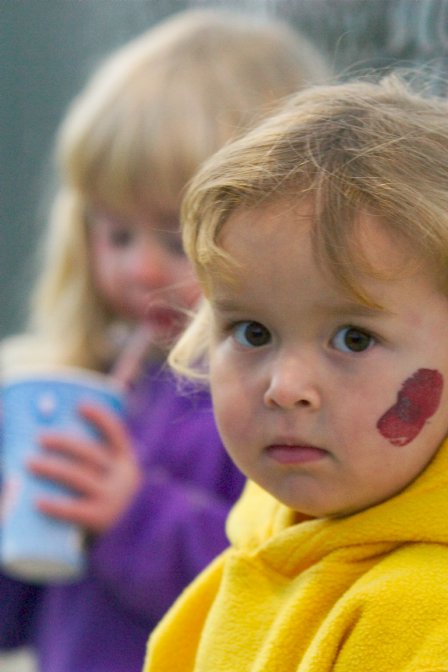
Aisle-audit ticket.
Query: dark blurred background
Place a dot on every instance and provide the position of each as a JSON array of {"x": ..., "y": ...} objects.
[{"x": 49, "y": 47}]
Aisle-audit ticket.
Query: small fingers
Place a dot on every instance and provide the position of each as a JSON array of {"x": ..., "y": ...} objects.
[
  {"x": 74, "y": 476},
  {"x": 109, "y": 425},
  {"x": 76, "y": 449},
  {"x": 79, "y": 511}
]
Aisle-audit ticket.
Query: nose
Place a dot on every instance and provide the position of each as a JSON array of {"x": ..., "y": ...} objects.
[
  {"x": 292, "y": 384},
  {"x": 150, "y": 265}
]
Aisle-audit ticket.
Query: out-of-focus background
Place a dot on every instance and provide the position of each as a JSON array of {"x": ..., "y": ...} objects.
[{"x": 49, "y": 47}]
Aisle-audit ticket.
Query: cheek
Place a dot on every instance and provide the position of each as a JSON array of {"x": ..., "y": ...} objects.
[
  {"x": 191, "y": 294},
  {"x": 417, "y": 400},
  {"x": 103, "y": 263},
  {"x": 103, "y": 279},
  {"x": 231, "y": 402},
  {"x": 186, "y": 285}
]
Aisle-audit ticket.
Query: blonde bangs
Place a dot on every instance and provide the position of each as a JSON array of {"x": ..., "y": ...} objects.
[
  {"x": 122, "y": 165},
  {"x": 363, "y": 154}
]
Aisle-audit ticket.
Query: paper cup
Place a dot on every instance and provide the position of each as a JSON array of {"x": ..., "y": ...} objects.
[{"x": 34, "y": 546}]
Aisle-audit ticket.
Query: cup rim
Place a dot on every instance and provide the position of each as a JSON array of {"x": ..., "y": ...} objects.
[{"x": 63, "y": 373}]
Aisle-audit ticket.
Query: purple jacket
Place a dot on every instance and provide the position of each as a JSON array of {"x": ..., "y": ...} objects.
[{"x": 173, "y": 529}]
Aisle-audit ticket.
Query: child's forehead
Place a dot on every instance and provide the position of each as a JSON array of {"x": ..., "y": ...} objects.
[
  {"x": 274, "y": 216},
  {"x": 137, "y": 208},
  {"x": 369, "y": 232},
  {"x": 367, "y": 249}
]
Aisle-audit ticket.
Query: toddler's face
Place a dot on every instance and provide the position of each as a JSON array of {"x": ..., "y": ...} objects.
[
  {"x": 329, "y": 405},
  {"x": 140, "y": 270}
]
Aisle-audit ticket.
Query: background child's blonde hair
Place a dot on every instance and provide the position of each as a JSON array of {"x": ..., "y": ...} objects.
[
  {"x": 136, "y": 134},
  {"x": 350, "y": 147}
]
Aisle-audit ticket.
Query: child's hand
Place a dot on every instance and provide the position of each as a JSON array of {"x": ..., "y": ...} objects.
[{"x": 102, "y": 472}]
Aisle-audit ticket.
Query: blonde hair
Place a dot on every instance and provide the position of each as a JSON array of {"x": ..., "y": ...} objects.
[
  {"x": 359, "y": 146},
  {"x": 136, "y": 134}
]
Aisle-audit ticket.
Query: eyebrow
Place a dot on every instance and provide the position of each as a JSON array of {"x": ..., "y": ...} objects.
[
  {"x": 352, "y": 308},
  {"x": 225, "y": 305}
]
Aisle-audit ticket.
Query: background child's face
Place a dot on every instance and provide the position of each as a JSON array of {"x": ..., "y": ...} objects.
[
  {"x": 140, "y": 270},
  {"x": 327, "y": 404}
]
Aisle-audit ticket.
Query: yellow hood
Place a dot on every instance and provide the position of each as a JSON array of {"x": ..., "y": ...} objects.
[
  {"x": 260, "y": 525},
  {"x": 367, "y": 593}
]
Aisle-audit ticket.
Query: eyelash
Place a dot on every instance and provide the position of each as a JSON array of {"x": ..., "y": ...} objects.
[
  {"x": 237, "y": 330},
  {"x": 235, "y": 327},
  {"x": 172, "y": 242},
  {"x": 372, "y": 340},
  {"x": 120, "y": 237}
]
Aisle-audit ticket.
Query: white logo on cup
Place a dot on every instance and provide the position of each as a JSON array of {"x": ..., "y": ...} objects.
[{"x": 47, "y": 404}]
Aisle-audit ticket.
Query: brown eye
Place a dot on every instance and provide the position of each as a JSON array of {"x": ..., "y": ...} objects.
[
  {"x": 252, "y": 334},
  {"x": 172, "y": 241},
  {"x": 120, "y": 237},
  {"x": 116, "y": 230},
  {"x": 351, "y": 339}
]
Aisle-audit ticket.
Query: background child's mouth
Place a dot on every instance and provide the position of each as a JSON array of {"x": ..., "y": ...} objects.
[{"x": 164, "y": 320}]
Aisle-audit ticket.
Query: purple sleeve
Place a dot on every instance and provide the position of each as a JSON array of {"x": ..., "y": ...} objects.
[
  {"x": 18, "y": 606},
  {"x": 176, "y": 523},
  {"x": 172, "y": 532}
]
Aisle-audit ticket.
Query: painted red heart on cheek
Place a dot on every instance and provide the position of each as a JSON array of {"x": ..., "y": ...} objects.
[{"x": 417, "y": 401}]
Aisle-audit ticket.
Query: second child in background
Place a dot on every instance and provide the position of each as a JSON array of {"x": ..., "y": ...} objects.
[{"x": 154, "y": 493}]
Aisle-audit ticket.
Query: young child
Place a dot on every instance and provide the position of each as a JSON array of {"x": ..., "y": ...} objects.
[
  {"x": 321, "y": 242},
  {"x": 153, "y": 496}
]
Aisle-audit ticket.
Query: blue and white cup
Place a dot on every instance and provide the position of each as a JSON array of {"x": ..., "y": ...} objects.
[{"x": 34, "y": 546}]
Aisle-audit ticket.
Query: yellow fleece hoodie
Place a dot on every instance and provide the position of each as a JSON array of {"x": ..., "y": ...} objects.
[{"x": 364, "y": 593}]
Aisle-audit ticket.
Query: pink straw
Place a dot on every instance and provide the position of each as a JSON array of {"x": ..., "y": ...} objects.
[{"x": 130, "y": 360}]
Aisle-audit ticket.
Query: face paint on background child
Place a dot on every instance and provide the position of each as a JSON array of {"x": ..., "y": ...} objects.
[{"x": 417, "y": 401}]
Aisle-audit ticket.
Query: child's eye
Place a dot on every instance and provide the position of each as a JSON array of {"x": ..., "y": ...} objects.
[
  {"x": 120, "y": 237},
  {"x": 251, "y": 334},
  {"x": 117, "y": 231},
  {"x": 172, "y": 241},
  {"x": 352, "y": 339}
]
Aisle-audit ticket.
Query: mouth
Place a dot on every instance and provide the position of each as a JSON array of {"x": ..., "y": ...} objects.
[
  {"x": 286, "y": 452},
  {"x": 164, "y": 320}
]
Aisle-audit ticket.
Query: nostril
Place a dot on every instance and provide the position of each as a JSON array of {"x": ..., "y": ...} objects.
[{"x": 284, "y": 396}]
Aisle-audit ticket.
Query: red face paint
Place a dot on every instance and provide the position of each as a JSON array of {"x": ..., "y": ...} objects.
[{"x": 417, "y": 401}]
